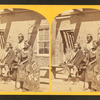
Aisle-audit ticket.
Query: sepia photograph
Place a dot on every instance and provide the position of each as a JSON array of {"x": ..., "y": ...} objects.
[
  {"x": 75, "y": 51},
  {"x": 24, "y": 51}
]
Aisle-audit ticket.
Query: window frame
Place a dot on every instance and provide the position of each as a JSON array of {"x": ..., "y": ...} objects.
[
  {"x": 69, "y": 31},
  {"x": 38, "y": 54}
]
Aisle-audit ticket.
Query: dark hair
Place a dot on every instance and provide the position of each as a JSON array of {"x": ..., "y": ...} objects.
[
  {"x": 79, "y": 46},
  {"x": 21, "y": 35},
  {"x": 90, "y": 35},
  {"x": 10, "y": 45},
  {"x": 96, "y": 42},
  {"x": 27, "y": 42}
]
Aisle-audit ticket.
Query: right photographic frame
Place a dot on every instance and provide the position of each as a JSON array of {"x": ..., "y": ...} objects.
[{"x": 75, "y": 51}]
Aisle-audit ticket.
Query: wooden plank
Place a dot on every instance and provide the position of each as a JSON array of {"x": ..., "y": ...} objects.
[
  {"x": 0, "y": 42},
  {"x": 53, "y": 70},
  {"x": 59, "y": 70},
  {"x": 72, "y": 35},
  {"x": 68, "y": 40},
  {"x": 63, "y": 38},
  {"x": 56, "y": 66},
  {"x": 3, "y": 41},
  {"x": 71, "y": 40}
]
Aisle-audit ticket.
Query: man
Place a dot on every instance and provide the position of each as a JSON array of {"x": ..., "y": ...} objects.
[
  {"x": 7, "y": 58},
  {"x": 78, "y": 56},
  {"x": 20, "y": 44},
  {"x": 89, "y": 45},
  {"x": 19, "y": 48},
  {"x": 75, "y": 61}
]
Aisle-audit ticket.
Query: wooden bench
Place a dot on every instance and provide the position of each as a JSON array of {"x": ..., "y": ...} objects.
[{"x": 53, "y": 70}]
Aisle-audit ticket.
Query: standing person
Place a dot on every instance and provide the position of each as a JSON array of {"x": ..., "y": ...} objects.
[
  {"x": 18, "y": 50},
  {"x": 23, "y": 62},
  {"x": 31, "y": 82},
  {"x": 92, "y": 62},
  {"x": 26, "y": 68},
  {"x": 7, "y": 59},
  {"x": 87, "y": 49},
  {"x": 96, "y": 81},
  {"x": 89, "y": 46},
  {"x": 89, "y": 42},
  {"x": 20, "y": 44}
]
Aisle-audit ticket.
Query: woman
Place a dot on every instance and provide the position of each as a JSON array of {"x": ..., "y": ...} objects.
[
  {"x": 23, "y": 62},
  {"x": 25, "y": 70},
  {"x": 91, "y": 64},
  {"x": 31, "y": 82},
  {"x": 96, "y": 81}
]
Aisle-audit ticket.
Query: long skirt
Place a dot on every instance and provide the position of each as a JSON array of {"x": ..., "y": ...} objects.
[
  {"x": 96, "y": 83},
  {"x": 21, "y": 73},
  {"x": 32, "y": 80},
  {"x": 89, "y": 75}
]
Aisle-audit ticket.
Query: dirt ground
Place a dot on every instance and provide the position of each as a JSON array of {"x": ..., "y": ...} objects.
[
  {"x": 44, "y": 83},
  {"x": 60, "y": 84}
]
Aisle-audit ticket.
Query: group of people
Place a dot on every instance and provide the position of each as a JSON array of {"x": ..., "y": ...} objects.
[
  {"x": 85, "y": 63},
  {"x": 18, "y": 65}
]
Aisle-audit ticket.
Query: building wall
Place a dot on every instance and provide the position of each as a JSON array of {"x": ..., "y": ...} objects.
[
  {"x": 19, "y": 22},
  {"x": 81, "y": 24},
  {"x": 53, "y": 41}
]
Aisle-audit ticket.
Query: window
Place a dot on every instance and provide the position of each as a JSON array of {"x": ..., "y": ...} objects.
[
  {"x": 43, "y": 42},
  {"x": 2, "y": 40},
  {"x": 67, "y": 39}
]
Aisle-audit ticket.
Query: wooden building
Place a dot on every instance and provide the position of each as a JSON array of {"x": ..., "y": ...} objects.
[
  {"x": 70, "y": 27},
  {"x": 32, "y": 25}
]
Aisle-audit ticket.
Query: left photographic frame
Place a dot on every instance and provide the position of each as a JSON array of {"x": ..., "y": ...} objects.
[{"x": 24, "y": 51}]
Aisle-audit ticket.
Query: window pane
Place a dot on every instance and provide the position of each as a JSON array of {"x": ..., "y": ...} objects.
[
  {"x": 40, "y": 31},
  {"x": 46, "y": 32},
  {"x": 46, "y": 37},
  {"x": 46, "y": 50},
  {"x": 46, "y": 44},
  {"x": 41, "y": 45},
  {"x": 41, "y": 50},
  {"x": 40, "y": 37}
]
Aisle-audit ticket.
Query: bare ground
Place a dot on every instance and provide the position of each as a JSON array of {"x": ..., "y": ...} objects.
[
  {"x": 44, "y": 84},
  {"x": 61, "y": 85}
]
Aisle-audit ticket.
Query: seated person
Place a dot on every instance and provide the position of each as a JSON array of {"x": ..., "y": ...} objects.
[
  {"x": 6, "y": 59},
  {"x": 76, "y": 59}
]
